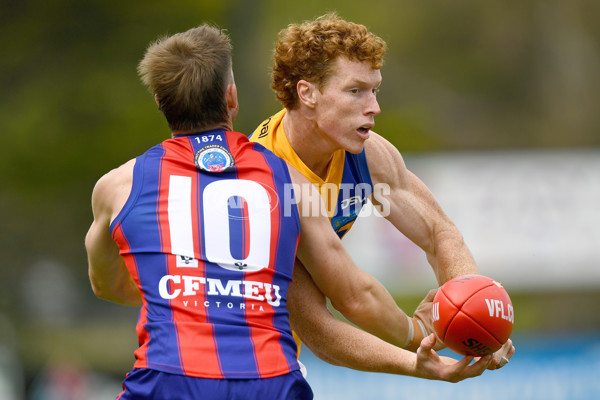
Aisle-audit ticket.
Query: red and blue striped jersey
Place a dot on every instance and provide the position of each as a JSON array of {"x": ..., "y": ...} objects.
[{"x": 209, "y": 235}]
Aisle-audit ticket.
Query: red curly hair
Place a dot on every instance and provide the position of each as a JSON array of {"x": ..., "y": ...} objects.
[{"x": 307, "y": 51}]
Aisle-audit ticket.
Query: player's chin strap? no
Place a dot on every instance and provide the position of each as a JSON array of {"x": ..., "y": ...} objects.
[{"x": 411, "y": 332}]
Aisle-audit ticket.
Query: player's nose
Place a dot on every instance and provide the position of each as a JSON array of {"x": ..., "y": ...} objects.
[{"x": 372, "y": 107}]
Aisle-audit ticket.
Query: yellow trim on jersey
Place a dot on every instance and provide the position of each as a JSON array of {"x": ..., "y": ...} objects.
[
  {"x": 298, "y": 343},
  {"x": 270, "y": 133}
]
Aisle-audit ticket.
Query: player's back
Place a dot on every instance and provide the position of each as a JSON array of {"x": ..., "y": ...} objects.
[{"x": 208, "y": 240}]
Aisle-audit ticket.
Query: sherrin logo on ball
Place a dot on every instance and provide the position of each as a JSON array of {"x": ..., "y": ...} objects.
[{"x": 473, "y": 315}]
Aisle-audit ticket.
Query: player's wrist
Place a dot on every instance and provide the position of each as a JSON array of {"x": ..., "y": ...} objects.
[{"x": 416, "y": 333}]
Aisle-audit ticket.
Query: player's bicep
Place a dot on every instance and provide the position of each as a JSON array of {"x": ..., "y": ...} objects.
[
  {"x": 319, "y": 251},
  {"x": 97, "y": 237},
  {"x": 100, "y": 244},
  {"x": 306, "y": 304},
  {"x": 106, "y": 267},
  {"x": 413, "y": 212},
  {"x": 406, "y": 201}
]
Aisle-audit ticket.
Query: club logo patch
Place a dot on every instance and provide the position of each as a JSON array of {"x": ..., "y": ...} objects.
[{"x": 214, "y": 158}]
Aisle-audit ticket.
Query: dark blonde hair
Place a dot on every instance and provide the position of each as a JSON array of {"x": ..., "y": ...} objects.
[
  {"x": 189, "y": 73},
  {"x": 307, "y": 51}
]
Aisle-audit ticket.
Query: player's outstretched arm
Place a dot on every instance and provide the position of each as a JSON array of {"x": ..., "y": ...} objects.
[
  {"x": 108, "y": 274},
  {"x": 411, "y": 208},
  {"x": 356, "y": 294},
  {"x": 342, "y": 344},
  {"x": 335, "y": 341}
]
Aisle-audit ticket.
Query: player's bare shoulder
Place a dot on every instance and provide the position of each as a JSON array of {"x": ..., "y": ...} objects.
[
  {"x": 385, "y": 161},
  {"x": 113, "y": 188}
]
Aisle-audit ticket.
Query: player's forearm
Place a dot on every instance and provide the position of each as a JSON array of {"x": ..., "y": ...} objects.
[
  {"x": 372, "y": 308},
  {"x": 337, "y": 342},
  {"x": 450, "y": 256},
  {"x": 342, "y": 344},
  {"x": 359, "y": 350}
]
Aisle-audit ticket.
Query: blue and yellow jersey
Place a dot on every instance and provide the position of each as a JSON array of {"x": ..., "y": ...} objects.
[{"x": 347, "y": 185}]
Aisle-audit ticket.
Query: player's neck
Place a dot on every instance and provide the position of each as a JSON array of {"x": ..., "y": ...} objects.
[
  {"x": 225, "y": 126},
  {"x": 312, "y": 148}
]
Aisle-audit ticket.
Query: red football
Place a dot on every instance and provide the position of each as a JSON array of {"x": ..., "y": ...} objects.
[{"x": 473, "y": 315}]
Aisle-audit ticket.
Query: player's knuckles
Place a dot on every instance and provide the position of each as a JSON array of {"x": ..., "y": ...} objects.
[{"x": 430, "y": 296}]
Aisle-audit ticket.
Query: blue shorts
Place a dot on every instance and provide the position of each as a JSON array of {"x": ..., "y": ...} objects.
[{"x": 142, "y": 384}]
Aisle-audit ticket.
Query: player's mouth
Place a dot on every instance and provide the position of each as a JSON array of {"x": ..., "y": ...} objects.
[{"x": 364, "y": 131}]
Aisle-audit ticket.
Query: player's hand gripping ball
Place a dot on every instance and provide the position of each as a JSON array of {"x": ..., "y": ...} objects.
[{"x": 473, "y": 315}]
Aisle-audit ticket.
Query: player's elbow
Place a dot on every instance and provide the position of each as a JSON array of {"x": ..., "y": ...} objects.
[
  {"x": 99, "y": 289},
  {"x": 353, "y": 302},
  {"x": 124, "y": 293},
  {"x": 324, "y": 356}
]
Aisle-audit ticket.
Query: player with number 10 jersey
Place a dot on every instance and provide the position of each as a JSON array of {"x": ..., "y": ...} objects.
[{"x": 211, "y": 258}]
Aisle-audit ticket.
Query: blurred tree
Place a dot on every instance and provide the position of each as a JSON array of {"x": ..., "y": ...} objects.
[{"x": 73, "y": 108}]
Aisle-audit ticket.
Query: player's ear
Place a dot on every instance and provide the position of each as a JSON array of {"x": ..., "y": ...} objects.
[
  {"x": 231, "y": 93},
  {"x": 232, "y": 101},
  {"x": 307, "y": 93},
  {"x": 231, "y": 96}
]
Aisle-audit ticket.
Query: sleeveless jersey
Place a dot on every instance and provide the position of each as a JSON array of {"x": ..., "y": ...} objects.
[
  {"x": 213, "y": 254},
  {"x": 348, "y": 183}
]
